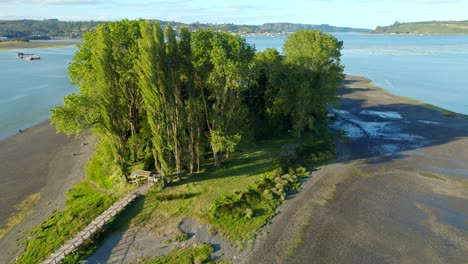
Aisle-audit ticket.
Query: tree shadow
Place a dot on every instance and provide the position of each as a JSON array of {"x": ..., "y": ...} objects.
[
  {"x": 253, "y": 164},
  {"x": 114, "y": 243},
  {"x": 382, "y": 133}
]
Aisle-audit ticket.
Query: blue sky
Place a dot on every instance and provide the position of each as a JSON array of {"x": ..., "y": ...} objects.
[{"x": 354, "y": 13}]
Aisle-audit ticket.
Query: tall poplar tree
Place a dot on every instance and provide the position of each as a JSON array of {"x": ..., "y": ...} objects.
[
  {"x": 108, "y": 97},
  {"x": 175, "y": 103},
  {"x": 151, "y": 80}
]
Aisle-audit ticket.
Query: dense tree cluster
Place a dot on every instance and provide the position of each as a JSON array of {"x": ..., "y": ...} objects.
[{"x": 149, "y": 95}]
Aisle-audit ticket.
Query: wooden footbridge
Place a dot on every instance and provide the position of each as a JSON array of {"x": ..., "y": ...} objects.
[{"x": 96, "y": 225}]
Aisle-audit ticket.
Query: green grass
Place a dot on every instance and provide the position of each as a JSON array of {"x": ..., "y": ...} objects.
[
  {"x": 191, "y": 254},
  {"x": 23, "y": 209},
  {"x": 84, "y": 203},
  {"x": 432, "y": 176},
  {"x": 195, "y": 195},
  {"x": 238, "y": 179}
]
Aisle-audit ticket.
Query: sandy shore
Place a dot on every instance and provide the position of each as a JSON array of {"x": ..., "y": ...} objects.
[
  {"x": 398, "y": 192},
  {"x": 36, "y": 161}
]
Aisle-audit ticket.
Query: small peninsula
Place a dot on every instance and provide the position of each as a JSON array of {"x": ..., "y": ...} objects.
[{"x": 427, "y": 28}]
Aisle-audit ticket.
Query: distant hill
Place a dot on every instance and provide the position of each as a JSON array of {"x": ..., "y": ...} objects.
[
  {"x": 53, "y": 28},
  {"x": 291, "y": 27},
  {"x": 428, "y": 27},
  {"x": 44, "y": 29}
]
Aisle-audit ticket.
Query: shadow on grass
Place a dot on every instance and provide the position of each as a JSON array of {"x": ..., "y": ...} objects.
[{"x": 238, "y": 165}]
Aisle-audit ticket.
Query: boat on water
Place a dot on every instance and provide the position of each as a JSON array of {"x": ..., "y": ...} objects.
[
  {"x": 28, "y": 57},
  {"x": 32, "y": 57}
]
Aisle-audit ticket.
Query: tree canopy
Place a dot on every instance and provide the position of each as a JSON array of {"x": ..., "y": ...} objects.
[{"x": 151, "y": 96}]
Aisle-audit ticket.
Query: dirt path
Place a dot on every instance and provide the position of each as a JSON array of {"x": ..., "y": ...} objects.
[
  {"x": 36, "y": 161},
  {"x": 397, "y": 194}
]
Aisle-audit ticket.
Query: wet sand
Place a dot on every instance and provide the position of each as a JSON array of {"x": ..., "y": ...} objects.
[
  {"x": 398, "y": 192},
  {"x": 37, "y": 161}
]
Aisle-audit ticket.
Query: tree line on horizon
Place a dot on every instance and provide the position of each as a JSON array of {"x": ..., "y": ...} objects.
[
  {"x": 167, "y": 102},
  {"x": 53, "y": 28}
]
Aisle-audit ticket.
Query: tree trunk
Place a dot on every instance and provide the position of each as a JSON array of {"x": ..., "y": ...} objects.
[
  {"x": 217, "y": 158},
  {"x": 135, "y": 146}
]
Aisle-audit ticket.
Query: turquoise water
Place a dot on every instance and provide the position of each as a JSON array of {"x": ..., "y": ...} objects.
[
  {"x": 432, "y": 69},
  {"x": 28, "y": 89}
]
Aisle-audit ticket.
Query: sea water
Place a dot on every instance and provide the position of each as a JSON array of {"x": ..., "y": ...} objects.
[
  {"x": 29, "y": 89},
  {"x": 432, "y": 69}
]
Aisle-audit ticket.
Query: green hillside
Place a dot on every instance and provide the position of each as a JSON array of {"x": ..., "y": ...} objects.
[
  {"x": 429, "y": 27},
  {"x": 53, "y": 28}
]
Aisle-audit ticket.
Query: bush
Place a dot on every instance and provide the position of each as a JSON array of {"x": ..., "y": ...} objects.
[
  {"x": 192, "y": 254},
  {"x": 268, "y": 193}
]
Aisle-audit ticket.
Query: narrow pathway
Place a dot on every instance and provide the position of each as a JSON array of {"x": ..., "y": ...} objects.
[{"x": 98, "y": 223}]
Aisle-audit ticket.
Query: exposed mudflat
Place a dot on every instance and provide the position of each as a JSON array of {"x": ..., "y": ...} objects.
[
  {"x": 398, "y": 192},
  {"x": 36, "y": 161}
]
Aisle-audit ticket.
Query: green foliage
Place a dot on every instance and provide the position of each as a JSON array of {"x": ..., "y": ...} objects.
[
  {"x": 314, "y": 151},
  {"x": 292, "y": 92},
  {"x": 428, "y": 27},
  {"x": 45, "y": 29},
  {"x": 83, "y": 204},
  {"x": 192, "y": 254},
  {"x": 99, "y": 170},
  {"x": 258, "y": 202},
  {"x": 146, "y": 95},
  {"x": 317, "y": 73},
  {"x": 181, "y": 237},
  {"x": 221, "y": 64}
]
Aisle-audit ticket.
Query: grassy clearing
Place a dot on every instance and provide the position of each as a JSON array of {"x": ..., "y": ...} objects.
[
  {"x": 190, "y": 254},
  {"x": 23, "y": 209},
  {"x": 84, "y": 203},
  {"x": 13, "y": 45},
  {"x": 432, "y": 176},
  {"x": 250, "y": 183}
]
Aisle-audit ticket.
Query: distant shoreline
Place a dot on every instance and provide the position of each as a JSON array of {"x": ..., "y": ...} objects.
[{"x": 14, "y": 45}]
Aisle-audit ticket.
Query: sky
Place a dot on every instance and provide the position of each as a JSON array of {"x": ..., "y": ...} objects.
[{"x": 351, "y": 13}]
